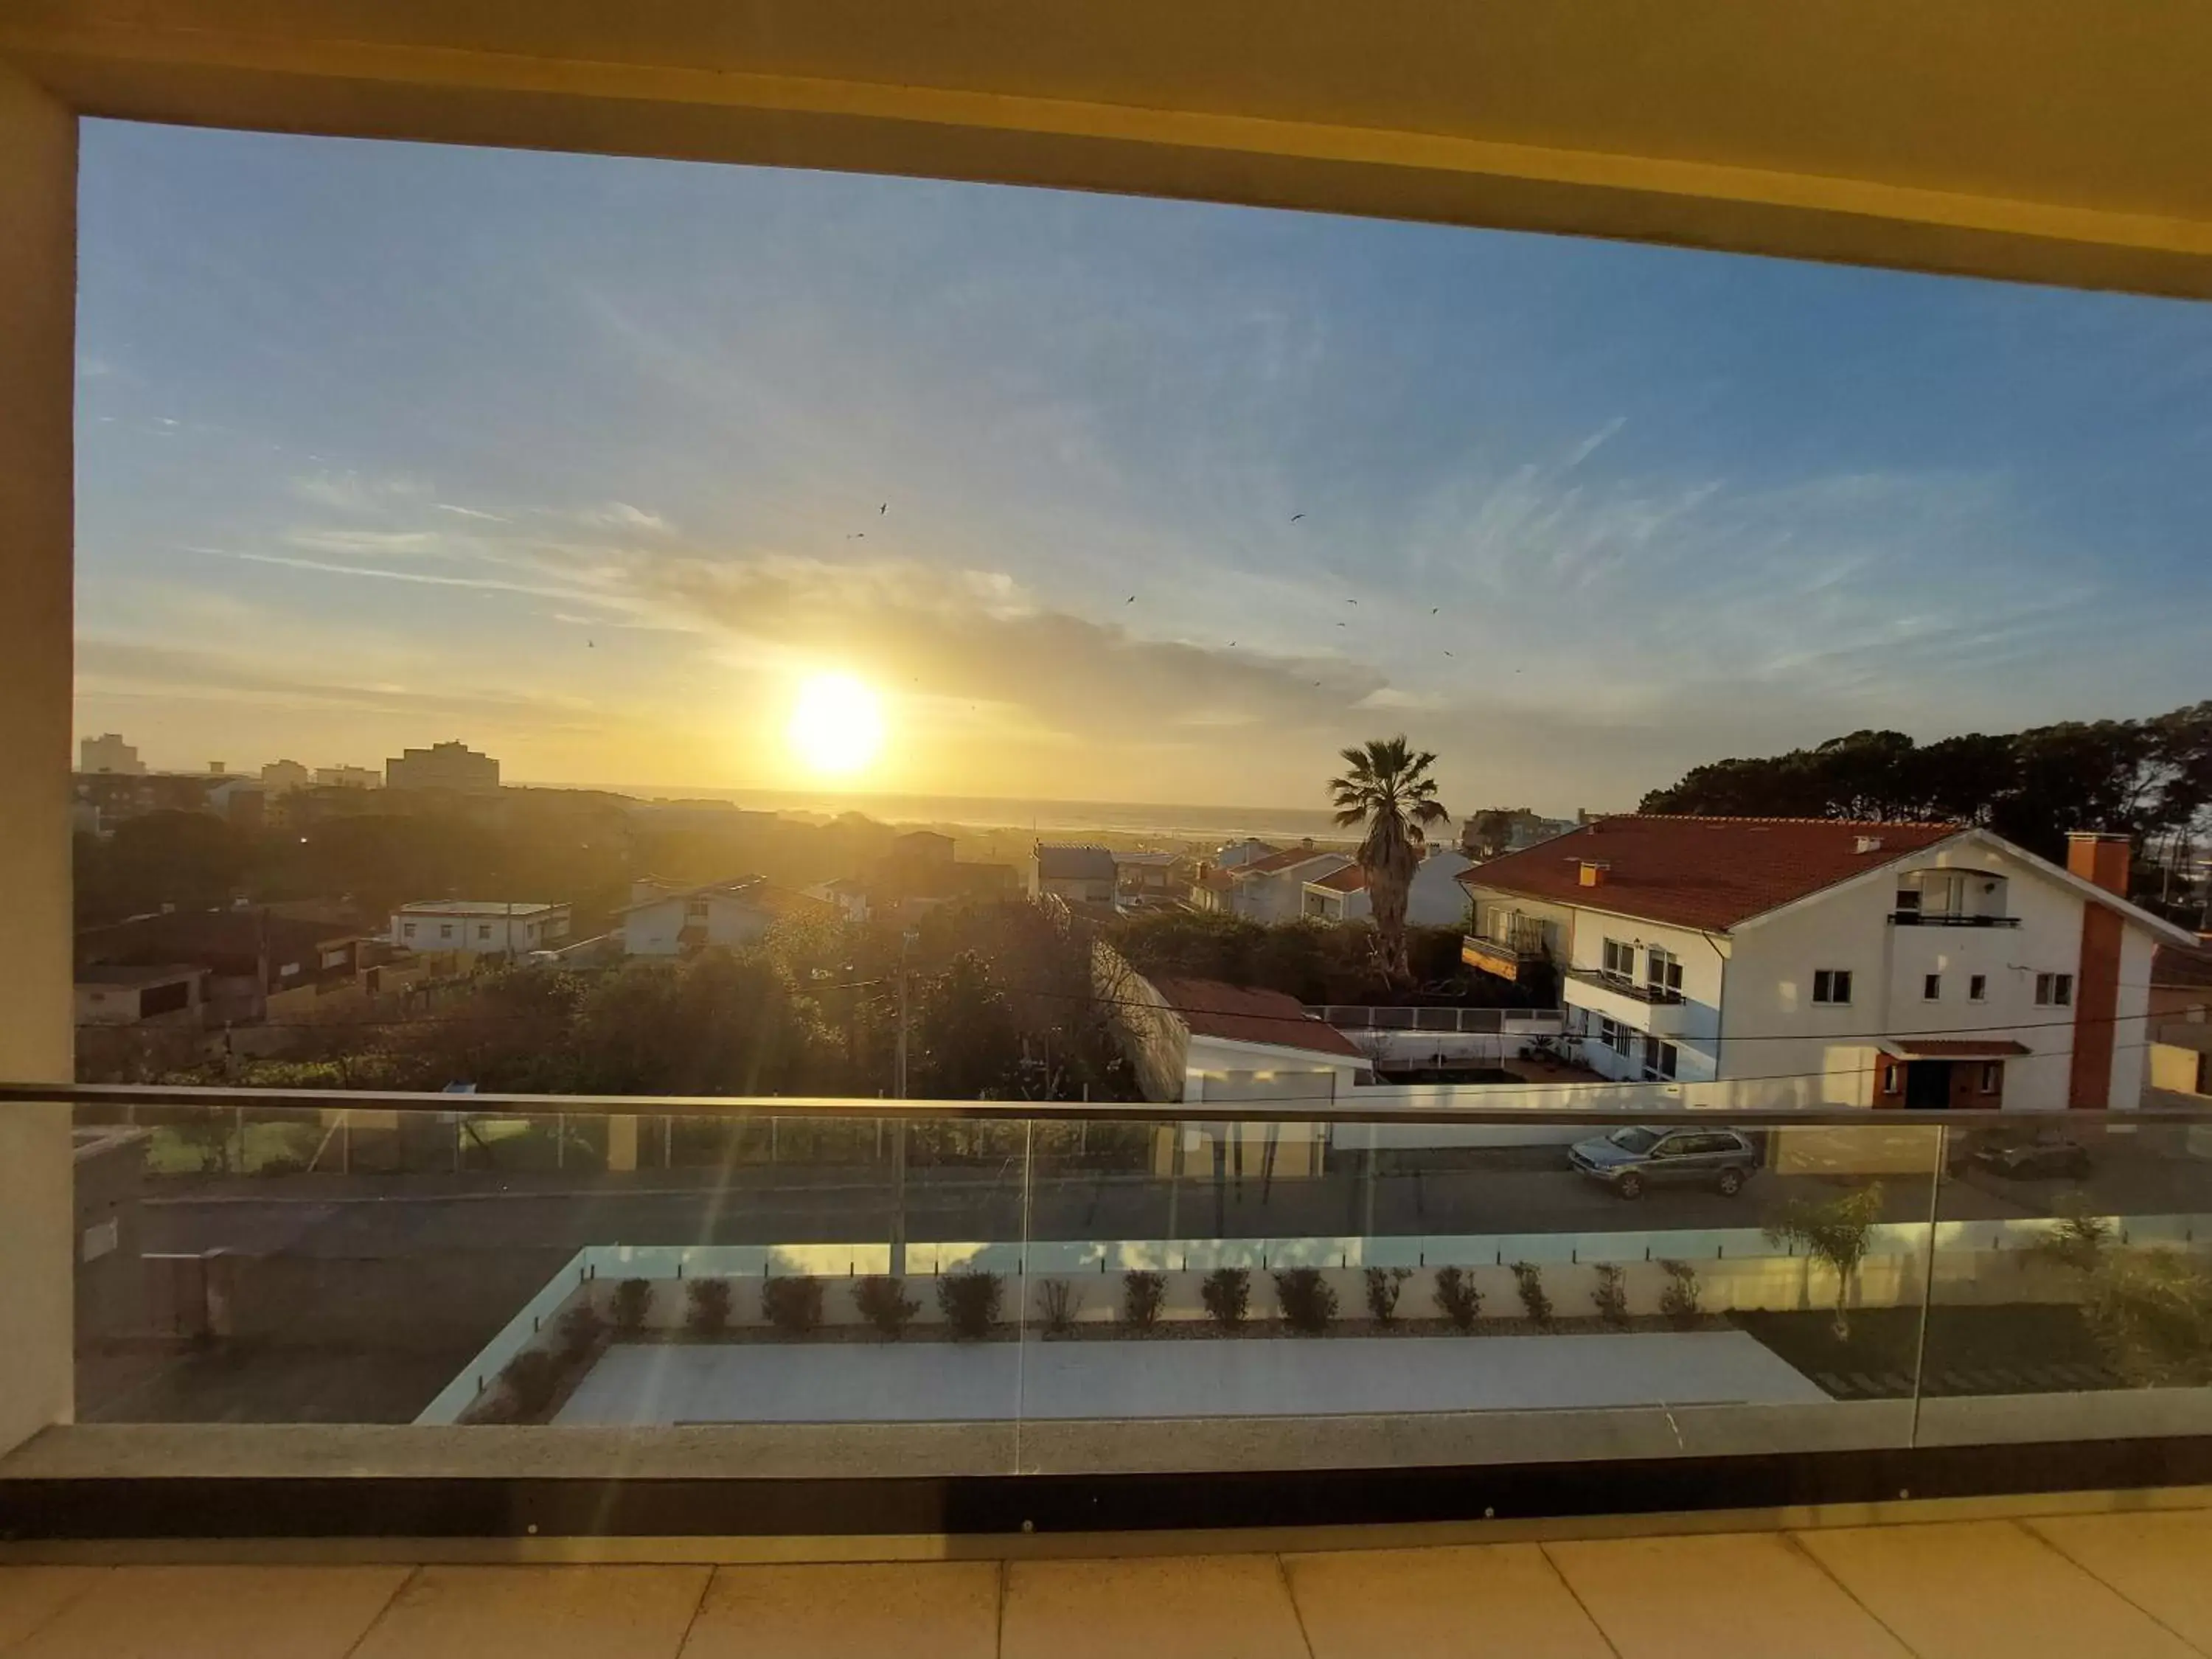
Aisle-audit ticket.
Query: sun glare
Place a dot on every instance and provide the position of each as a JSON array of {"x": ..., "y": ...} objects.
[{"x": 837, "y": 724}]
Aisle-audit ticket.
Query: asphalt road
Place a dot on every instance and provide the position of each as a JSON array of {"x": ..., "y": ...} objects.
[{"x": 1526, "y": 1192}]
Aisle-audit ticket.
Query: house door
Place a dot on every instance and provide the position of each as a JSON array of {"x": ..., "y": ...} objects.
[{"x": 1927, "y": 1085}]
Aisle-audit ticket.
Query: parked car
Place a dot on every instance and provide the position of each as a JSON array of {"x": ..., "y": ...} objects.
[
  {"x": 1631, "y": 1158},
  {"x": 2024, "y": 1156}
]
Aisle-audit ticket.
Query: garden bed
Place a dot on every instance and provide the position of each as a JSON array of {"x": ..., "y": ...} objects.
[{"x": 2023, "y": 1348}]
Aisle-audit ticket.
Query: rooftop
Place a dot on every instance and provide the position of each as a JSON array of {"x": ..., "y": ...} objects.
[
  {"x": 1285, "y": 860},
  {"x": 1702, "y": 873},
  {"x": 2191, "y": 970},
  {"x": 1211, "y": 1008},
  {"x": 475, "y": 908},
  {"x": 162, "y": 974},
  {"x": 1073, "y": 863},
  {"x": 1350, "y": 879}
]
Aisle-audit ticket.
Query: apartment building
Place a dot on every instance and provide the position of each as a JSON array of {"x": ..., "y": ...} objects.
[
  {"x": 452, "y": 766},
  {"x": 1880, "y": 964}
]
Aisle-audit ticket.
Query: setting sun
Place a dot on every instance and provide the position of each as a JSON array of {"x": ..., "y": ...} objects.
[{"x": 837, "y": 724}]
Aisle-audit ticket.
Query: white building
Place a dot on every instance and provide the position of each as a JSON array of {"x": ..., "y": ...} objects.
[
  {"x": 1080, "y": 875},
  {"x": 108, "y": 753},
  {"x": 666, "y": 921},
  {"x": 1433, "y": 899},
  {"x": 347, "y": 777},
  {"x": 1196, "y": 1039},
  {"x": 442, "y": 766},
  {"x": 281, "y": 776},
  {"x": 478, "y": 927},
  {"x": 1271, "y": 887},
  {"x": 1237, "y": 853},
  {"x": 1878, "y": 964}
]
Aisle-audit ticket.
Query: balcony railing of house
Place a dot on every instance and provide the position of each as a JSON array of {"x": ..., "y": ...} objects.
[
  {"x": 1640, "y": 990},
  {"x": 1940, "y": 919},
  {"x": 1480, "y": 1021},
  {"x": 317, "y": 1314}
]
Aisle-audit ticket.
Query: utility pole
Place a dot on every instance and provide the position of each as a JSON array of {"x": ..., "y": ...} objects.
[{"x": 898, "y": 1124}]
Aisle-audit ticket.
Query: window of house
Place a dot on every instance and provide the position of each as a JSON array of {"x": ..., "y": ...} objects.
[
  {"x": 2054, "y": 990},
  {"x": 484, "y": 930},
  {"x": 1908, "y": 900},
  {"x": 1832, "y": 985},
  {"x": 407, "y": 930},
  {"x": 1978, "y": 987},
  {"x": 1660, "y": 1059},
  {"x": 1992, "y": 1077},
  {"x": 1620, "y": 959},
  {"x": 444, "y": 930},
  {"x": 1931, "y": 988},
  {"x": 695, "y": 911},
  {"x": 1889, "y": 1079},
  {"x": 1615, "y": 1035},
  {"x": 1663, "y": 975}
]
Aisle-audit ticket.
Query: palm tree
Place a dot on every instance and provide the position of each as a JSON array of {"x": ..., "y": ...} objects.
[{"x": 1387, "y": 788}]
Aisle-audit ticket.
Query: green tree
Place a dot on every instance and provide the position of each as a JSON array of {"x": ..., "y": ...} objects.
[
  {"x": 1387, "y": 788},
  {"x": 1836, "y": 1233},
  {"x": 966, "y": 1044}
]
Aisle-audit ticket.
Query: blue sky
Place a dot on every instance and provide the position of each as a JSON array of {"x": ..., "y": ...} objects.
[{"x": 593, "y": 462}]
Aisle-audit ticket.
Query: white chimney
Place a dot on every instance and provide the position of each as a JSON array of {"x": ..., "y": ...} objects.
[{"x": 1869, "y": 844}]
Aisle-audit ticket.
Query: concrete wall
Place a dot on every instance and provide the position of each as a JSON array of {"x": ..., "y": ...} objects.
[{"x": 38, "y": 300}]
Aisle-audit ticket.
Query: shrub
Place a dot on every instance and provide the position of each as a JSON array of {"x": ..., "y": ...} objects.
[
  {"x": 531, "y": 1379},
  {"x": 1679, "y": 1301},
  {"x": 710, "y": 1312},
  {"x": 1142, "y": 1293},
  {"x": 882, "y": 1300},
  {"x": 1383, "y": 1286},
  {"x": 633, "y": 1302},
  {"x": 2151, "y": 1312},
  {"x": 792, "y": 1304},
  {"x": 1059, "y": 1301},
  {"x": 1528, "y": 1280},
  {"x": 969, "y": 1301},
  {"x": 580, "y": 1328},
  {"x": 1308, "y": 1300},
  {"x": 1459, "y": 1299},
  {"x": 1836, "y": 1234},
  {"x": 1610, "y": 1295},
  {"x": 1227, "y": 1293}
]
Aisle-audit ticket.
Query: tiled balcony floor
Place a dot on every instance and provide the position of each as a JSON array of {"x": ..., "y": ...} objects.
[{"x": 2117, "y": 1586}]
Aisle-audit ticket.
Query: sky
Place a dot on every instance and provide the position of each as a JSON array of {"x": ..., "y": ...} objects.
[{"x": 596, "y": 464}]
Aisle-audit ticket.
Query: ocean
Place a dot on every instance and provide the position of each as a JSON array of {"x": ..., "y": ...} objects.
[{"x": 1059, "y": 817}]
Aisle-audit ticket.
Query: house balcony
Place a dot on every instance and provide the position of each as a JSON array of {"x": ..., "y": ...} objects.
[
  {"x": 1510, "y": 956},
  {"x": 1940, "y": 919},
  {"x": 1647, "y": 1008}
]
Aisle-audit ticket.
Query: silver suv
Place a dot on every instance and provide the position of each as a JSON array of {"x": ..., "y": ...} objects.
[{"x": 1631, "y": 1158}]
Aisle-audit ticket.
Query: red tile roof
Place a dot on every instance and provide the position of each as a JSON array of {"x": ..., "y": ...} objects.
[
  {"x": 2171, "y": 965},
  {"x": 1212, "y": 1008},
  {"x": 1275, "y": 861},
  {"x": 1954, "y": 1048},
  {"x": 1350, "y": 879},
  {"x": 1700, "y": 872}
]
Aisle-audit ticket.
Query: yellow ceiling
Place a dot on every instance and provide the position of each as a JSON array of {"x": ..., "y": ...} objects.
[{"x": 2049, "y": 140}]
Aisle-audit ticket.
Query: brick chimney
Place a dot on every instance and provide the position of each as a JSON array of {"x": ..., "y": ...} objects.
[
  {"x": 1593, "y": 872},
  {"x": 2100, "y": 856}
]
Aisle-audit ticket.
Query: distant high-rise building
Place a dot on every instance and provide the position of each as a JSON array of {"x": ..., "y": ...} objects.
[
  {"x": 347, "y": 777},
  {"x": 109, "y": 753},
  {"x": 442, "y": 766},
  {"x": 281, "y": 777}
]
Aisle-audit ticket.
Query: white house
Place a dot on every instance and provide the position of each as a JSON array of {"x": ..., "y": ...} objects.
[
  {"x": 1433, "y": 899},
  {"x": 1273, "y": 888},
  {"x": 1881, "y": 964},
  {"x": 1237, "y": 853},
  {"x": 478, "y": 927},
  {"x": 666, "y": 921},
  {"x": 1195, "y": 1039},
  {"x": 1080, "y": 875}
]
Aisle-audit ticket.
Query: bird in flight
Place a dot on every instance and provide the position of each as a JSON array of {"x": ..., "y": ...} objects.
[
  {"x": 591, "y": 645},
  {"x": 1434, "y": 609},
  {"x": 884, "y": 508},
  {"x": 1351, "y": 602},
  {"x": 1295, "y": 516},
  {"x": 858, "y": 536},
  {"x": 1132, "y": 599}
]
